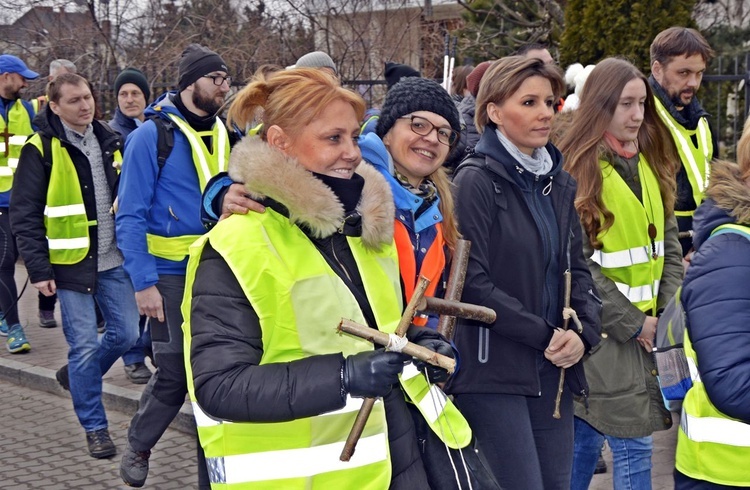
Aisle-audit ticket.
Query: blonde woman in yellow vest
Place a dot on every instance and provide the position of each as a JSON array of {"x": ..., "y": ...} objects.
[
  {"x": 679, "y": 56},
  {"x": 274, "y": 388},
  {"x": 713, "y": 443},
  {"x": 622, "y": 157}
]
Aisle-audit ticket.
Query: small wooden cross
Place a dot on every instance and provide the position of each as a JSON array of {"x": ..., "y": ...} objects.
[{"x": 6, "y": 136}]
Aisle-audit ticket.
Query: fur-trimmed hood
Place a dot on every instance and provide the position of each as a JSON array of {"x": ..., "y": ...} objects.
[
  {"x": 268, "y": 173},
  {"x": 728, "y": 201}
]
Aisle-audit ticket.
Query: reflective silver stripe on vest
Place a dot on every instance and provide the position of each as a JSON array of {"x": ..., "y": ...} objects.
[
  {"x": 626, "y": 258},
  {"x": 6, "y": 171},
  {"x": 702, "y": 132},
  {"x": 295, "y": 463},
  {"x": 13, "y": 141},
  {"x": 67, "y": 243},
  {"x": 202, "y": 419},
  {"x": 636, "y": 294},
  {"x": 715, "y": 429},
  {"x": 432, "y": 403},
  {"x": 694, "y": 374},
  {"x": 13, "y": 162},
  {"x": 61, "y": 211}
]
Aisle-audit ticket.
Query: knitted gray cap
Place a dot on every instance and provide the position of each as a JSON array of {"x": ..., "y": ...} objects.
[
  {"x": 316, "y": 59},
  {"x": 416, "y": 94}
]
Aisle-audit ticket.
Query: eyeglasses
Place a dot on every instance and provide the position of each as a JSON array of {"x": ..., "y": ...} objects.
[
  {"x": 423, "y": 127},
  {"x": 219, "y": 79}
]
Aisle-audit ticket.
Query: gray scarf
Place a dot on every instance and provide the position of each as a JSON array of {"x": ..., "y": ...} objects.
[{"x": 538, "y": 163}]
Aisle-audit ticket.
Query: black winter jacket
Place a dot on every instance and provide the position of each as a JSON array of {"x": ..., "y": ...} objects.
[
  {"x": 507, "y": 273},
  {"x": 29, "y": 198},
  {"x": 226, "y": 349}
]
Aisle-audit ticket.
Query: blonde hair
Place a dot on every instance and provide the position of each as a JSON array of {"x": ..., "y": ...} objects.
[
  {"x": 743, "y": 152},
  {"x": 290, "y": 99}
]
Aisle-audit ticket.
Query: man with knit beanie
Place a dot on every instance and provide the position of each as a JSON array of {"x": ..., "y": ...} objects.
[
  {"x": 133, "y": 92},
  {"x": 157, "y": 221}
]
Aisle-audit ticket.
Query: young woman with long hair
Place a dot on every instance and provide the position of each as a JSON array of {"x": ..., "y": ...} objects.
[{"x": 623, "y": 160}]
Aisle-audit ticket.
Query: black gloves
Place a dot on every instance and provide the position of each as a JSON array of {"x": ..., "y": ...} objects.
[
  {"x": 431, "y": 339},
  {"x": 435, "y": 374},
  {"x": 372, "y": 373}
]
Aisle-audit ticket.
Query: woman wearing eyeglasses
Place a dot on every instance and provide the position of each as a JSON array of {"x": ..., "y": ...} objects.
[{"x": 514, "y": 203}]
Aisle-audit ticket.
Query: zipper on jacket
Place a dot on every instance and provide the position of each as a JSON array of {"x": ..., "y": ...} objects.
[
  {"x": 547, "y": 247},
  {"x": 336, "y": 258}
]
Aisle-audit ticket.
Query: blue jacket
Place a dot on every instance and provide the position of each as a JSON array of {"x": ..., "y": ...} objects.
[
  {"x": 716, "y": 295},
  {"x": 5, "y": 196},
  {"x": 165, "y": 204},
  {"x": 422, "y": 229},
  {"x": 123, "y": 124}
]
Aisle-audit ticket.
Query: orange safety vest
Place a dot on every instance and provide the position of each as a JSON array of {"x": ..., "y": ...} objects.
[{"x": 433, "y": 263}]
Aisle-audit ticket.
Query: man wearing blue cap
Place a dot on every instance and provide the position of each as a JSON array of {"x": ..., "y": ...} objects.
[{"x": 15, "y": 126}]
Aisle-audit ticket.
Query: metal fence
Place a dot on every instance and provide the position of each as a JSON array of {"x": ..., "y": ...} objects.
[{"x": 725, "y": 94}]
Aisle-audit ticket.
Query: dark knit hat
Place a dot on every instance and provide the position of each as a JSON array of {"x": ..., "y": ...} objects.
[
  {"x": 134, "y": 76},
  {"x": 197, "y": 61},
  {"x": 473, "y": 78},
  {"x": 316, "y": 59},
  {"x": 416, "y": 94},
  {"x": 395, "y": 72}
]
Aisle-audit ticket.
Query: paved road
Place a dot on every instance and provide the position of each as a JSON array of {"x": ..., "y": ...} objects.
[{"x": 43, "y": 447}]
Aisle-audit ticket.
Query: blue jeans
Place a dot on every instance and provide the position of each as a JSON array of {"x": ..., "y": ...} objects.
[
  {"x": 137, "y": 353},
  {"x": 88, "y": 357},
  {"x": 631, "y": 458}
]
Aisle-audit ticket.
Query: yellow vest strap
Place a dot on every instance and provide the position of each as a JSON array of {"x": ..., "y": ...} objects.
[{"x": 171, "y": 248}]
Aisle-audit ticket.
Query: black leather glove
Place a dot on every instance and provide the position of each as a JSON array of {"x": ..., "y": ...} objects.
[
  {"x": 372, "y": 373},
  {"x": 435, "y": 374}
]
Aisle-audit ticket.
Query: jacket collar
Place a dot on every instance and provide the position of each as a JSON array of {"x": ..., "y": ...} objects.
[
  {"x": 51, "y": 126},
  {"x": 268, "y": 173},
  {"x": 504, "y": 165},
  {"x": 689, "y": 116}
]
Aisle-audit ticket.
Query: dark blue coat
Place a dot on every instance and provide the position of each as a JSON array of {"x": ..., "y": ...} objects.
[{"x": 716, "y": 297}]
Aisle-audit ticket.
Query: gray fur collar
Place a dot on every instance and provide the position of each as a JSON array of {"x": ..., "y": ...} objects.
[
  {"x": 267, "y": 172},
  {"x": 728, "y": 190}
]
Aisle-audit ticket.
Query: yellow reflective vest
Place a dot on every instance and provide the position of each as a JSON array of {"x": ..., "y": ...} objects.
[
  {"x": 695, "y": 159},
  {"x": 710, "y": 445},
  {"x": 207, "y": 164},
  {"x": 13, "y": 134},
  {"x": 630, "y": 256},
  {"x": 65, "y": 219},
  {"x": 289, "y": 283}
]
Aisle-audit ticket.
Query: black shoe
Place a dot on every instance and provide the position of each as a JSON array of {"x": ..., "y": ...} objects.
[
  {"x": 138, "y": 373},
  {"x": 62, "y": 377},
  {"x": 134, "y": 467},
  {"x": 601, "y": 466},
  {"x": 100, "y": 444}
]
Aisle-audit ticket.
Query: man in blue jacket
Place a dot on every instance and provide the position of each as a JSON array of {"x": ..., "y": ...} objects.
[{"x": 157, "y": 220}]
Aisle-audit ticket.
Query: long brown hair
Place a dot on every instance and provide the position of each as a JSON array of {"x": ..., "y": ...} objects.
[
  {"x": 583, "y": 145},
  {"x": 290, "y": 99}
]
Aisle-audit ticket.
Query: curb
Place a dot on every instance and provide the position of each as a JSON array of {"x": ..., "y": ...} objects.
[{"x": 114, "y": 397}]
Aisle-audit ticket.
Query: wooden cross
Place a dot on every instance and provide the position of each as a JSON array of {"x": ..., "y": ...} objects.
[
  {"x": 6, "y": 137},
  {"x": 418, "y": 302}
]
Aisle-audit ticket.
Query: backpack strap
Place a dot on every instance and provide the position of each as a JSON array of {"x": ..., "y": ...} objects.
[{"x": 164, "y": 141}]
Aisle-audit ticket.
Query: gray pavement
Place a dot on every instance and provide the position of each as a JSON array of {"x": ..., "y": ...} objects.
[{"x": 43, "y": 446}]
